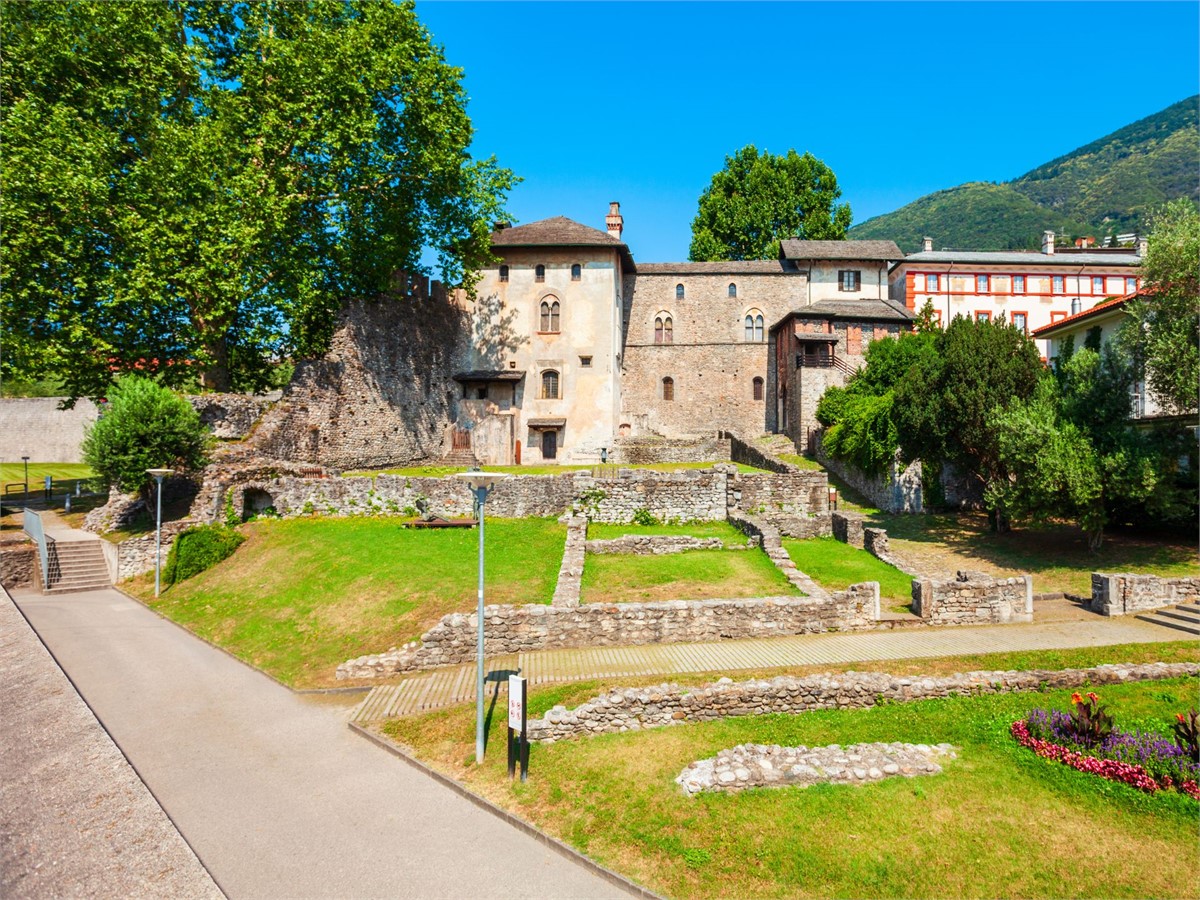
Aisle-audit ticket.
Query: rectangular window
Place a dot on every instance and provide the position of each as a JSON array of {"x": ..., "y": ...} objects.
[
  {"x": 983, "y": 315},
  {"x": 849, "y": 279},
  {"x": 1021, "y": 321},
  {"x": 981, "y": 284},
  {"x": 1097, "y": 284},
  {"x": 931, "y": 282},
  {"x": 1018, "y": 284},
  {"x": 1058, "y": 284},
  {"x": 1130, "y": 285},
  {"x": 1057, "y": 317},
  {"x": 585, "y": 362}
]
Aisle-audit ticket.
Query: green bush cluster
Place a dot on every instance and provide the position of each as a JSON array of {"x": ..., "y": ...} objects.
[{"x": 198, "y": 549}]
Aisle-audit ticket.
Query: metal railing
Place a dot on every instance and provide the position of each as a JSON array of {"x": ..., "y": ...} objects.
[{"x": 32, "y": 526}]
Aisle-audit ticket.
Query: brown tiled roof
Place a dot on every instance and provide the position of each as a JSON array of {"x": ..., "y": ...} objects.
[
  {"x": 1109, "y": 305},
  {"x": 723, "y": 267},
  {"x": 884, "y": 251},
  {"x": 558, "y": 230}
]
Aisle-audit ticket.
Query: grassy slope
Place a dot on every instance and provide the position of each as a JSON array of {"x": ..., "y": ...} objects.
[
  {"x": 302, "y": 595},
  {"x": 997, "y": 822},
  {"x": 835, "y": 566}
]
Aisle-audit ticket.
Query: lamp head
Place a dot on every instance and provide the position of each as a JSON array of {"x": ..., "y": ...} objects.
[
  {"x": 477, "y": 479},
  {"x": 159, "y": 473}
]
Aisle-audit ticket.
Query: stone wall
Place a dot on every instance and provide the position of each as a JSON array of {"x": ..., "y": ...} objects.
[
  {"x": 136, "y": 555},
  {"x": 897, "y": 492},
  {"x": 628, "y": 709},
  {"x": 642, "y": 451},
  {"x": 749, "y": 455},
  {"x": 973, "y": 598},
  {"x": 17, "y": 565},
  {"x": 383, "y": 395},
  {"x": 231, "y": 416},
  {"x": 796, "y": 502},
  {"x": 768, "y": 536},
  {"x": 517, "y": 629},
  {"x": 848, "y": 528},
  {"x": 570, "y": 572},
  {"x": 657, "y": 544},
  {"x": 1118, "y": 595},
  {"x": 37, "y": 428}
]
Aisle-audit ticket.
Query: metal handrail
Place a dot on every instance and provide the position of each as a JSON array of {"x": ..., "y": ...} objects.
[{"x": 32, "y": 526}]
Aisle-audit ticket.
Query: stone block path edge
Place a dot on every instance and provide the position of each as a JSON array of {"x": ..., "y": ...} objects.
[{"x": 452, "y": 685}]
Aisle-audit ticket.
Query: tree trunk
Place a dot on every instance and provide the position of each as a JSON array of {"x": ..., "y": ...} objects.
[
  {"x": 216, "y": 375},
  {"x": 998, "y": 521},
  {"x": 1095, "y": 539}
]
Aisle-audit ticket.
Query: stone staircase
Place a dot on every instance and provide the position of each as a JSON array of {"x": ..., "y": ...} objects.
[
  {"x": 1182, "y": 617},
  {"x": 774, "y": 444},
  {"x": 460, "y": 457},
  {"x": 76, "y": 566}
]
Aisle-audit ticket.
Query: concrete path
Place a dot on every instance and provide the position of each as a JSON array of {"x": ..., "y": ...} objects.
[
  {"x": 456, "y": 684},
  {"x": 75, "y": 819},
  {"x": 276, "y": 796}
]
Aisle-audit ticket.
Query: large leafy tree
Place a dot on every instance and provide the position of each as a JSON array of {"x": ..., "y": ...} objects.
[
  {"x": 204, "y": 183},
  {"x": 757, "y": 200},
  {"x": 944, "y": 403},
  {"x": 1163, "y": 331}
]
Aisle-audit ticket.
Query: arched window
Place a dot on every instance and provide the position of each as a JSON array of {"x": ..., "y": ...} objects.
[
  {"x": 758, "y": 388},
  {"x": 549, "y": 317},
  {"x": 550, "y": 385},
  {"x": 539, "y": 273},
  {"x": 679, "y": 292},
  {"x": 668, "y": 388},
  {"x": 663, "y": 328},
  {"x": 732, "y": 289},
  {"x": 754, "y": 326},
  {"x": 504, "y": 273},
  {"x": 576, "y": 271}
]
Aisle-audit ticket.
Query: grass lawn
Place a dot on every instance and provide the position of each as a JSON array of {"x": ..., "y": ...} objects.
[
  {"x": 442, "y": 471},
  {"x": 14, "y": 473},
  {"x": 693, "y": 575},
  {"x": 836, "y": 566},
  {"x": 1056, "y": 555},
  {"x": 723, "y": 530},
  {"x": 997, "y": 822},
  {"x": 302, "y": 595},
  {"x": 801, "y": 462}
]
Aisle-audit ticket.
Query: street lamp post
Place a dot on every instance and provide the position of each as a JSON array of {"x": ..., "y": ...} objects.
[
  {"x": 159, "y": 475},
  {"x": 481, "y": 484},
  {"x": 25, "y": 459}
]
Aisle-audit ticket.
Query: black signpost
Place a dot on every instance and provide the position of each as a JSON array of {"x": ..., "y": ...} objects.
[{"x": 518, "y": 739}]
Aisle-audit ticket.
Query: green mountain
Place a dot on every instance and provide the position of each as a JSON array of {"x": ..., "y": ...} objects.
[{"x": 1105, "y": 187}]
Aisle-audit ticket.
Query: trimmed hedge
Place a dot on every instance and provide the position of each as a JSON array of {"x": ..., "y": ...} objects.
[{"x": 198, "y": 549}]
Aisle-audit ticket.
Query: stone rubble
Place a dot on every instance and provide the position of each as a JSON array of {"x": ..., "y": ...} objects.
[{"x": 762, "y": 765}]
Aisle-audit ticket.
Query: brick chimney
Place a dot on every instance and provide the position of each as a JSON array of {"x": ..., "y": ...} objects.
[
  {"x": 614, "y": 221},
  {"x": 1048, "y": 243},
  {"x": 927, "y": 244}
]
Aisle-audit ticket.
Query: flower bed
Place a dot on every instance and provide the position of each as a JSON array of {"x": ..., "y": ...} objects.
[{"x": 1086, "y": 740}]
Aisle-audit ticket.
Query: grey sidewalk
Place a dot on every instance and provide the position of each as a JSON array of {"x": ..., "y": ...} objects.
[
  {"x": 75, "y": 819},
  {"x": 274, "y": 793}
]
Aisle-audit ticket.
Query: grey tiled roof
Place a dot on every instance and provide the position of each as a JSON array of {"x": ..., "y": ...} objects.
[
  {"x": 1024, "y": 258},
  {"x": 558, "y": 230},
  {"x": 874, "y": 309},
  {"x": 883, "y": 251},
  {"x": 723, "y": 267}
]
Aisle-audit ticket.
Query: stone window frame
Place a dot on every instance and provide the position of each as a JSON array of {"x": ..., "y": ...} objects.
[
  {"x": 850, "y": 280},
  {"x": 680, "y": 292},
  {"x": 549, "y": 315},
  {"x": 576, "y": 272},
  {"x": 664, "y": 327},
  {"x": 668, "y": 389},
  {"x": 551, "y": 388},
  {"x": 504, "y": 273},
  {"x": 539, "y": 273},
  {"x": 753, "y": 326},
  {"x": 758, "y": 387}
]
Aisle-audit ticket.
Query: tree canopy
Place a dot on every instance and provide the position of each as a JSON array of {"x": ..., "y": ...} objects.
[
  {"x": 757, "y": 200},
  {"x": 1163, "y": 330},
  {"x": 204, "y": 183}
]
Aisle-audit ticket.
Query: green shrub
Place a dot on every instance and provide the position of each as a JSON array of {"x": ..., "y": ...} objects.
[
  {"x": 198, "y": 549},
  {"x": 644, "y": 517}
]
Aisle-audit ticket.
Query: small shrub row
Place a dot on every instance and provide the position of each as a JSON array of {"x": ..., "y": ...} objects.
[
  {"x": 1087, "y": 740},
  {"x": 197, "y": 549}
]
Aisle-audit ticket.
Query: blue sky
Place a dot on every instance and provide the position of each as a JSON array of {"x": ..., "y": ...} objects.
[{"x": 640, "y": 102}]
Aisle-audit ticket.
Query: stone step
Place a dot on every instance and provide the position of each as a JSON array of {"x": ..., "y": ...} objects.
[
  {"x": 1182, "y": 614},
  {"x": 77, "y": 587},
  {"x": 1158, "y": 619}
]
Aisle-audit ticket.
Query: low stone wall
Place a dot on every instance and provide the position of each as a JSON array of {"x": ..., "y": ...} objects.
[
  {"x": 645, "y": 450},
  {"x": 516, "y": 629},
  {"x": 136, "y": 555},
  {"x": 570, "y": 573},
  {"x": 629, "y": 709},
  {"x": 231, "y": 416},
  {"x": 1118, "y": 595},
  {"x": 657, "y": 544},
  {"x": 767, "y": 536},
  {"x": 848, "y": 528},
  {"x": 897, "y": 492},
  {"x": 17, "y": 565},
  {"x": 973, "y": 598},
  {"x": 749, "y": 455},
  {"x": 687, "y": 496}
]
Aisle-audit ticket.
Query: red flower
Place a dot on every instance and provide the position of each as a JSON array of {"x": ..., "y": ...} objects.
[{"x": 1075, "y": 698}]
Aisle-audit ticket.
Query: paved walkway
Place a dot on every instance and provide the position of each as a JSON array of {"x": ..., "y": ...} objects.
[
  {"x": 276, "y": 796},
  {"x": 446, "y": 687}
]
